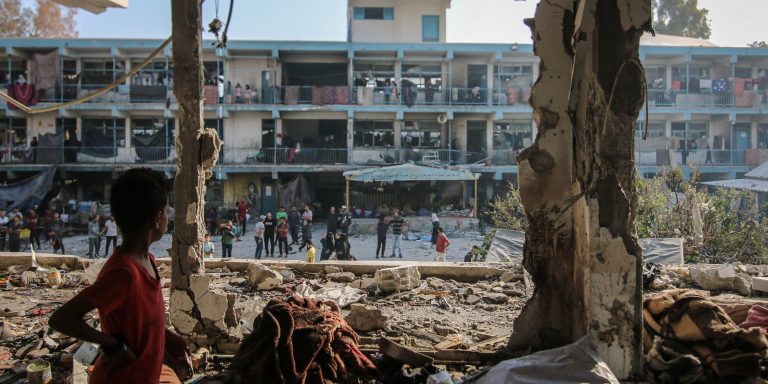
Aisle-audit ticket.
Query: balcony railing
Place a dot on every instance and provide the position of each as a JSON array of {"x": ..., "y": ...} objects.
[
  {"x": 87, "y": 155},
  {"x": 696, "y": 157},
  {"x": 707, "y": 99}
]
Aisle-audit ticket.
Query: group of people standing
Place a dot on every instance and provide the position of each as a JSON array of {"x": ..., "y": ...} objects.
[
  {"x": 98, "y": 230},
  {"x": 13, "y": 223},
  {"x": 275, "y": 230}
]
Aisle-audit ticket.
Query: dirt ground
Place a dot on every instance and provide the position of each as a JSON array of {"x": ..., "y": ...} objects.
[{"x": 363, "y": 247}]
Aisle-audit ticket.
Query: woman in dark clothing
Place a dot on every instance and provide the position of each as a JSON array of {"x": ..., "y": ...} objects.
[
  {"x": 435, "y": 225},
  {"x": 332, "y": 223},
  {"x": 342, "y": 247},
  {"x": 328, "y": 247}
]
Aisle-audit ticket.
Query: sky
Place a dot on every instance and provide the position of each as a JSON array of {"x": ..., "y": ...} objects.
[{"x": 734, "y": 22}]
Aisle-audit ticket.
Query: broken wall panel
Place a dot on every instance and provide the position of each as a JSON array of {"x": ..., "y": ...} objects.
[{"x": 577, "y": 181}]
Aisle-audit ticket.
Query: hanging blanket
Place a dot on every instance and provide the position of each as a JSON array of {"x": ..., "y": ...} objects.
[
  {"x": 342, "y": 95},
  {"x": 99, "y": 145},
  {"x": 151, "y": 148},
  {"x": 291, "y": 95},
  {"x": 317, "y": 95},
  {"x": 23, "y": 93},
  {"x": 688, "y": 318},
  {"x": 46, "y": 70},
  {"x": 48, "y": 149}
]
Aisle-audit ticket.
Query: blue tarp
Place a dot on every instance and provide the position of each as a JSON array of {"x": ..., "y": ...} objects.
[{"x": 28, "y": 193}]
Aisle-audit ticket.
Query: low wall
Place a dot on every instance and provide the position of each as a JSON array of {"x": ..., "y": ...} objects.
[{"x": 459, "y": 271}]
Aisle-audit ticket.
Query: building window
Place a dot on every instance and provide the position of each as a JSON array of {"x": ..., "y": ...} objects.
[
  {"x": 697, "y": 137},
  {"x": 154, "y": 73},
  {"x": 98, "y": 73},
  {"x": 656, "y": 129},
  {"x": 424, "y": 76},
  {"x": 374, "y": 134},
  {"x": 420, "y": 134},
  {"x": 374, "y": 13},
  {"x": 13, "y": 132},
  {"x": 515, "y": 134},
  {"x": 430, "y": 28},
  {"x": 694, "y": 73},
  {"x": 18, "y": 67},
  {"x": 656, "y": 76},
  {"x": 513, "y": 75}
]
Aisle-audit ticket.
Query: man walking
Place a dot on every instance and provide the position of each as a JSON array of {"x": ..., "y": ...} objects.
[
  {"x": 294, "y": 224},
  {"x": 381, "y": 233},
  {"x": 258, "y": 235},
  {"x": 110, "y": 229},
  {"x": 282, "y": 237},
  {"x": 332, "y": 223},
  {"x": 269, "y": 235},
  {"x": 33, "y": 224},
  {"x": 397, "y": 234},
  {"x": 94, "y": 233},
  {"x": 228, "y": 233}
]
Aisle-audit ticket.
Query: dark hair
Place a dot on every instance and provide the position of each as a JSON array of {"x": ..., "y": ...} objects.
[
  {"x": 308, "y": 241},
  {"x": 137, "y": 196},
  {"x": 440, "y": 229}
]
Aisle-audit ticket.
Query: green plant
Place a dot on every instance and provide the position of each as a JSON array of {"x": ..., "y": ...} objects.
[{"x": 507, "y": 210}]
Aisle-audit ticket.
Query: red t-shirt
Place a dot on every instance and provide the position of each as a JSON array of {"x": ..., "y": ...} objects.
[
  {"x": 130, "y": 304},
  {"x": 442, "y": 243},
  {"x": 282, "y": 230},
  {"x": 242, "y": 210}
]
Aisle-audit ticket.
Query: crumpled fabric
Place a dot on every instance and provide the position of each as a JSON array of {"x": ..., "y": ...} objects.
[
  {"x": 342, "y": 296},
  {"x": 301, "y": 341},
  {"x": 757, "y": 317}
]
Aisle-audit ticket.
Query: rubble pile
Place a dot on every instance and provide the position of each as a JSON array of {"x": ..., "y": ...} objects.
[
  {"x": 452, "y": 322},
  {"x": 746, "y": 280}
]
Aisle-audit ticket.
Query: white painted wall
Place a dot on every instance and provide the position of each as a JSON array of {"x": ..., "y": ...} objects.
[{"x": 405, "y": 28}]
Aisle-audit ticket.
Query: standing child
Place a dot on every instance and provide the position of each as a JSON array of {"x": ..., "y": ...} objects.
[
  {"x": 282, "y": 237},
  {"x": 442, "y": 244},
  {"x": 310, "y": 251},
  {"x": 208, "y": 247}
]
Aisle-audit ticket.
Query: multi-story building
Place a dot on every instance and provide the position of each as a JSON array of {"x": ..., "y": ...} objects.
[{"x": 395, "y": 92}]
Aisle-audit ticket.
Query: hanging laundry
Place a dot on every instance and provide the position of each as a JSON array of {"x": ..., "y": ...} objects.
[
  {"x": 705, "y": 84},
  {"x": 677, "y": 85},
  {"x": 757, "y": 317},
  {"x": 292, "y": 95},
  {"x": 738, "y": 86},
  {"x": 720, "y": 85},
  {"x": 46, "y": 70},
  {"x": 342, "y": 95},
  {"x": 22, "y": 92}
]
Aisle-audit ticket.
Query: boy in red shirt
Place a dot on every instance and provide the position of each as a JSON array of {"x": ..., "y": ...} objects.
[
  {"x": 442, "y": 244},
  {"x": 127, "y": 293},
  {"x": 282, "y": 237}
]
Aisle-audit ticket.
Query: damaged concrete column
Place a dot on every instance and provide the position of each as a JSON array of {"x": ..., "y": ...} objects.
[
  {"x": 195, "y": 308},
  {"x": 576, "y": 181}
]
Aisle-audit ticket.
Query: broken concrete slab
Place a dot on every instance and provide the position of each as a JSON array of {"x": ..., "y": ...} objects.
[
  {"x": 364, "y": 319},
  {"x": 263, "y": 277},
  {"x": 341, "y": 277},
  {"x": 398, "y": 279},
  {"x": 713, "y": 278},
  {"x": 760, "y": 284}
]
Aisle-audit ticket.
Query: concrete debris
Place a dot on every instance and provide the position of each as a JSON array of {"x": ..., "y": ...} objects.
[
  {"x": 264, "y": 278},
  {"x": 713, "y": 278},
  {"x": 495, "y": 298},
  {"x": 398, "y": 279},
  {"x": 364, "y": 283},
  {"x": 331, "y": 269},
  {"x": 341, "y": 277},
  {"x": 364, "y": 319}
]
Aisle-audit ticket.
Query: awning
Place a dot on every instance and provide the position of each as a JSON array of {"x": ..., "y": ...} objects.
[
  {"x": 408, "y": 172},
  {"x": 761, "y": 172},
  {"x": 94, "y": 6},
  {"x": 743, "y": 184}
]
